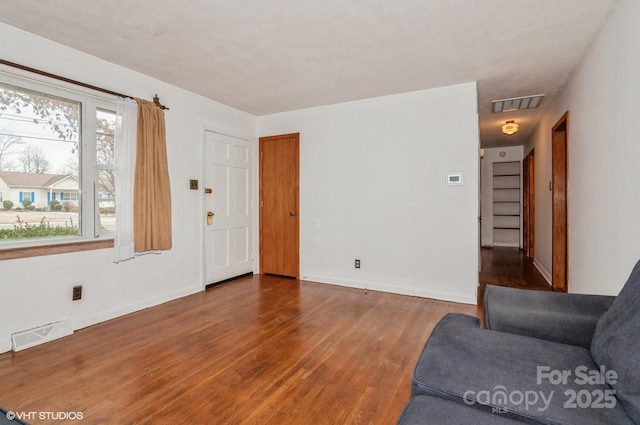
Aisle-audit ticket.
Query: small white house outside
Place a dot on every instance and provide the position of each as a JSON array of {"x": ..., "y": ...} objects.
[{"x": 38, "y": 188}]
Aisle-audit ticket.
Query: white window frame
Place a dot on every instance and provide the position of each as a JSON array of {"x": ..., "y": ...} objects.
[{"x": 90, "y": 102}]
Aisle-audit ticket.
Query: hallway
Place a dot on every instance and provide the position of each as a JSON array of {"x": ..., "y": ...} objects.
[{"x": 509, "y": 267}]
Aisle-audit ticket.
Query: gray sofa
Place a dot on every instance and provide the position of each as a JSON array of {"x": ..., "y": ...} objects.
[{"x": 543, "y": 358}]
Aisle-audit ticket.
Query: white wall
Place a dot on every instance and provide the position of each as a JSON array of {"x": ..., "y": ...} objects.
[
  {"x": 37, "y": 291},
  {"x": 604, "y": 147},
  {"x": 541, "y": 140},
  {"x": 491, "y": 155},
  {"x": 372, "y": 186}
]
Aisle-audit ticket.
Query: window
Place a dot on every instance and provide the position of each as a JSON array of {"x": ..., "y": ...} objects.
[
  {"x": 56, "y": 164},
  {"x": 68, "y": 196},
  {"x": 25, "y": 197}
]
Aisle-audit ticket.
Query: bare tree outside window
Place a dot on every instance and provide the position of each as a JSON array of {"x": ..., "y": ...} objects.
[
  {"x": 33, "y": 160},
  {"x": 105, "y": 133},
  {"x": 8, "y": 144},
  {"x": 57, "y": 115},
  {"x": 106, "y": 123}
]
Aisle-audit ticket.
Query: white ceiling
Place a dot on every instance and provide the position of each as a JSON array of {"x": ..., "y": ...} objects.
[{"x": 266, "y": 56}]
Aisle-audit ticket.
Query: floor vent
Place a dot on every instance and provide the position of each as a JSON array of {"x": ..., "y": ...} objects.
[{"x": 40, "y": 335}]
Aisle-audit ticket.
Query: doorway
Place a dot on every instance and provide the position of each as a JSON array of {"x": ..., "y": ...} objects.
[
  {"x": 509, "y": 209},
  {"x": 559, "y": 186},
  {"x": 279, "y": 205}
]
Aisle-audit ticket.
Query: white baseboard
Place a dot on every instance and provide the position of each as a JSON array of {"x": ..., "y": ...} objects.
[
  {"x": 103, "y": 316},
  {"x": 395, "y": 289},
  {"x": 544, "y": 272}
]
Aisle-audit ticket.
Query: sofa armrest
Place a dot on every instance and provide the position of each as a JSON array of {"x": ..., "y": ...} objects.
[{"x": 553, "y": 316}]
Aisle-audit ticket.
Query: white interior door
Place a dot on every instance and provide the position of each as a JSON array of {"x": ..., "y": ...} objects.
[{"x": 228, "y": 194}]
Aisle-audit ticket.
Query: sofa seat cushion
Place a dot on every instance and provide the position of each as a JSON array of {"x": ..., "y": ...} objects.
[
  {"x": 423, "y": 410},
  {"x": 527, "y": 379}
]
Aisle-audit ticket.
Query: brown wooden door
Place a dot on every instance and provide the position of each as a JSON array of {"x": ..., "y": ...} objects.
[
  {"x": 279, "y": 205},
  {"x": 559, "y": 249}
]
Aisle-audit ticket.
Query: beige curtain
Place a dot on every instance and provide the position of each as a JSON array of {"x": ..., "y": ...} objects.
[{"x": 152, "y": 192}]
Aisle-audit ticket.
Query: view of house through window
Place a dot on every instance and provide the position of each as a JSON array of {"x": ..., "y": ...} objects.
[{"x": 50, "y": 155}]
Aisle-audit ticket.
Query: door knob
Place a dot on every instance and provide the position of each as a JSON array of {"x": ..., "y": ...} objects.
[
  {"x": 291, "y": 213},
  {"x": 210, "y": 215}
]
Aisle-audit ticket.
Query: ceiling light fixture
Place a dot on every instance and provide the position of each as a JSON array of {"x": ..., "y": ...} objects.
[{"x": 510, "y": 128}]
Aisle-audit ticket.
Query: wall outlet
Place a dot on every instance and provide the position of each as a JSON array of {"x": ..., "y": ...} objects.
[
  {"x": 77, "y": 293},
  {"x": 193, "y": 184},
  {"x": 357, "y": 264}
]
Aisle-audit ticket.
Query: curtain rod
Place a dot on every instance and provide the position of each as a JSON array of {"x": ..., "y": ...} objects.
[{"x": 156, "y": 100}]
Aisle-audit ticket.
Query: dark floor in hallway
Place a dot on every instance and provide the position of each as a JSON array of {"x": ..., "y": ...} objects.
[{"x": 509, "y": 267}]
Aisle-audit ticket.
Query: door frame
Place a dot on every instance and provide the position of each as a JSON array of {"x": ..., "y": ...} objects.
[
  {"x": 261, "y": 140},
  {"x": 528, "y": 216},
  {"x": 560, "y": 204}
]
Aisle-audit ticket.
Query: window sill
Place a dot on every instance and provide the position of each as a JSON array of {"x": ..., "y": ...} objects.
[{"x": 37, "y": 251}]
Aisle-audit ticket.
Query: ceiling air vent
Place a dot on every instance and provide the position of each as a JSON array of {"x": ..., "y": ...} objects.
[{"x": 516, "y": 103}]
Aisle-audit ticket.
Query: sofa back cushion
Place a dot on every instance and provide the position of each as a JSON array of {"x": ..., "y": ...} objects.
[{"x": 616, "y": 344}]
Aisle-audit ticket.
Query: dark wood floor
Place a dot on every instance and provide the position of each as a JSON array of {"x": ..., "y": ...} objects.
[
  {"x": 509, "y": 267},
  {"x": 259, "y": 350}
]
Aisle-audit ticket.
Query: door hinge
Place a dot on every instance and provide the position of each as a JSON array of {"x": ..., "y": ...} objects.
[
  {"x": 261, "y": 204},
  {"x": 261, "y": 154}
]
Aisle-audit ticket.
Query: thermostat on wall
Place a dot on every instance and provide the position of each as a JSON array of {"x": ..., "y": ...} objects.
[{"x": 454, "y": 179}]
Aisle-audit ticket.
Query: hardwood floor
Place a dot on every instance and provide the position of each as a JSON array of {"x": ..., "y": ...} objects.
[
  {"x": 509, "y": 267},
  {"x": 259, "y": 350}
]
